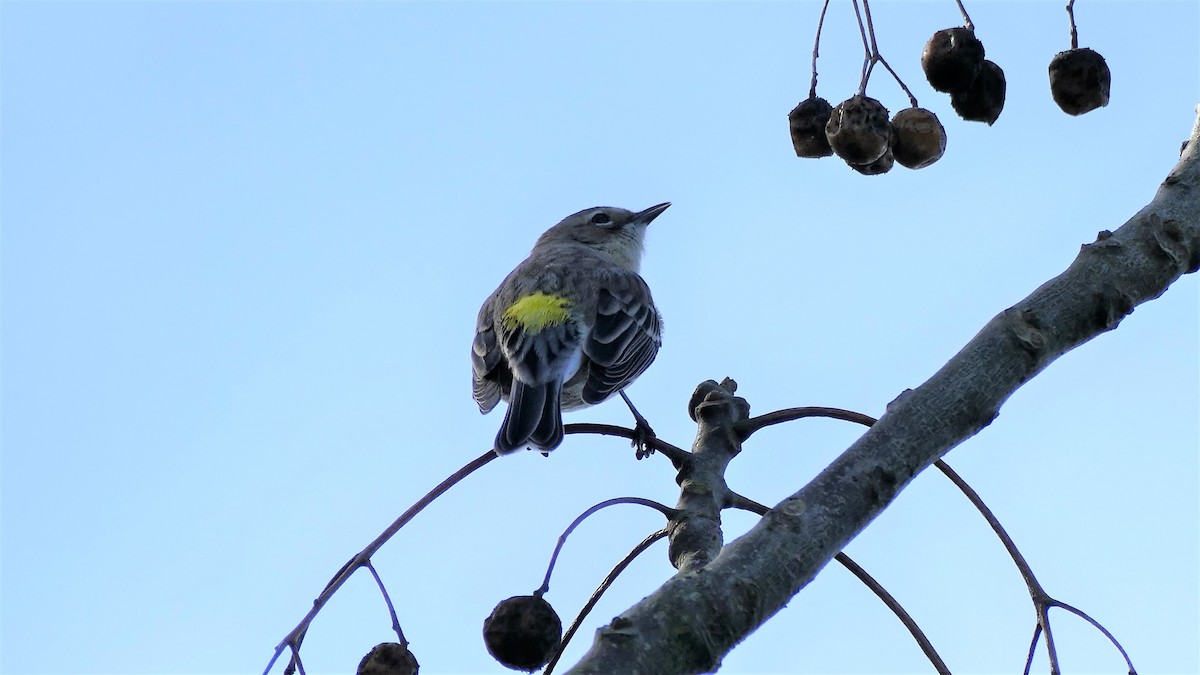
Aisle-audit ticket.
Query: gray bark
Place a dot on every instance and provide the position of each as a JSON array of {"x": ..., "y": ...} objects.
[{"x": 697, "y": 616}]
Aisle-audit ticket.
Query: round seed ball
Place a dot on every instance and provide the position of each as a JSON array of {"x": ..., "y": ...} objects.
[
  {"x": 1079, "y": 81},
  {"x": 807, "y": 123},
  {"x": 522, "y": 632},
  {"x": 880, "y": 166},
  {"x": 951, "y": 59},
  {"x": 983, "y": 101},
  {"x": 859, "y": 130},
  {"x": 389, "y": 658},
  {"x": 918, "y": 138}
]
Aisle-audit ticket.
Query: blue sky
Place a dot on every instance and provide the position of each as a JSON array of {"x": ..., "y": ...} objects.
[{"x": 244, "y": 245}]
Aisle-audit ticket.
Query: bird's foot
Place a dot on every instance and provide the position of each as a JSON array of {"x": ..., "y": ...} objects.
[
  {"x": 643, "y": 434},
  {"x": 643, "y": 439}
]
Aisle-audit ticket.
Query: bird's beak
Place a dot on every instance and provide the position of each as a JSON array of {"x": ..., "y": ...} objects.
[{"x": 644, "y": 217}]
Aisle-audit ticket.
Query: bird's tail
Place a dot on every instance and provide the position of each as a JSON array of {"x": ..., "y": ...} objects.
[{"x": 533, "y": 420}]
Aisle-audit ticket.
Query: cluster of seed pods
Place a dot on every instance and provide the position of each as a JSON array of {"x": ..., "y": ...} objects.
[{"x": 859, "y": 131}]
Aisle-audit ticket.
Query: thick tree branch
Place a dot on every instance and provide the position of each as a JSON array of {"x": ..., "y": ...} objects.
[{"x": 697, "y": 616}]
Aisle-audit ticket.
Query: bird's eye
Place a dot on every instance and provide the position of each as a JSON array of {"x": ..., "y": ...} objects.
[{"x": 601, "y": 219}]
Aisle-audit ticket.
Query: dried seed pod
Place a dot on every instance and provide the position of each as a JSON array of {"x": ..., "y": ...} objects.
[
  {"x": 984, "y": 100},
  {"x": 918, "y": 138},
  {"x": 807, "y": 123},
  {"x": 522, "y": 632},
  {"x": 389, "y": 658},
  {"x": 858, "y": 130},
  {"x": 880, "y": 166},
  {"x": 1079, "y": 81},
  {"x": 951, "y": 59}
]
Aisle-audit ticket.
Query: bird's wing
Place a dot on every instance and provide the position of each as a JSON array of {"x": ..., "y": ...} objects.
[
  {"x": 488, "y": 371},
  {"x": 624, "y": 339}
]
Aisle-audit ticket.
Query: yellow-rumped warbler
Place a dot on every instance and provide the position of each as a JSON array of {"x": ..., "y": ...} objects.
[{"x": 570, "y": 326}]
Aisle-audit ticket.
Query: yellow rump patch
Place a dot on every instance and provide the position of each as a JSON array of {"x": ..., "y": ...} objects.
[{"x": 534, "y": 313}]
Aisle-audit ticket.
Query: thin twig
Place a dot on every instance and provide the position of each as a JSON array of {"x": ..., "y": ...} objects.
[
  {"x": 1043, "y": 615},
  {"x": 1074, "y": 32},
  {"x": 812, "y": 87},
  {"x": 1036, "y": 592},
  {"x": 295, "y": 663},
  {"x": 1035, "y": 588},
  {"x": 912, "y": 100},
  {"x": 876, "y": 56},
  {"x": 388, "y": 601},
  {"x": 734, "y": 500},
  {"x": 678, "y": 456},
  {"x": 745, "y": 429},
  {"x": 1042, "y": 601},
  {"x": 737, "y": 501},
  {"x": 1037, "y": 633},
  {"x": 1096, "y": 624},
  {"x": 897, "y": 609},
  {"x": 868, "y": 63},
  {"x": 562, "y": 539},
  {"x": 596, "y": 595},
  {"x": 296, "y": 636},
  {"x": 966, "y": 18}
]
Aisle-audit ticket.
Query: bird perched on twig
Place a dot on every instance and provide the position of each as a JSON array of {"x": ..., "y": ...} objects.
[{"x": 569, "y": 327}]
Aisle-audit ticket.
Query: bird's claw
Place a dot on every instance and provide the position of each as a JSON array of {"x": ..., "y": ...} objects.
[
  {"x": 643, "y": 435},
  {"x": 643, "y": 439}
]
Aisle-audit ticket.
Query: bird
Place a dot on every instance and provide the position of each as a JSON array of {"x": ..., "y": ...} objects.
[{"x": 570, "y": 326}]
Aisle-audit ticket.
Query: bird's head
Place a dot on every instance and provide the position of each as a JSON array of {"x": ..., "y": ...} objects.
[{"x": 618, "y": 234}]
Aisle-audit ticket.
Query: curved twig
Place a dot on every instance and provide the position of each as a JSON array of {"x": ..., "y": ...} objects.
[
  {"x": 897, "y": 609},
  {"x": 295, "y": 637},
  {"x": 562, "y": 539},
  {"x": 745, "y": 429},
  {"x": 596, "y": 595},
  {"x": 388, "y": 601},
  {"x": 737, "y": 501},
  {"x": 363, "y": 557},
  {"x": 876, "y": 56},
  {"x": 1096, "y": 624},
  {"x": 1026, "y": 571},
  {"x": 1042, "y": 601},
  {"x": 678, "y": 456}
]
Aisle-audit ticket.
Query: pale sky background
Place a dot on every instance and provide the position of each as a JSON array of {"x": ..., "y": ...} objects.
[{"x": 244, "y": 245}]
